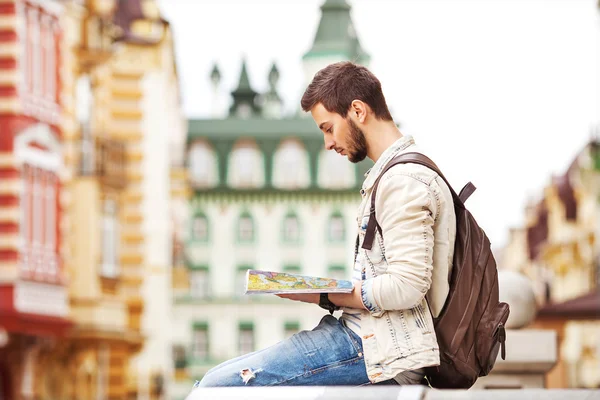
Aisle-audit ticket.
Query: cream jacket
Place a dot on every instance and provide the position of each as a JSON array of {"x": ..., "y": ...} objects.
[{"x": 409, "y": 266}]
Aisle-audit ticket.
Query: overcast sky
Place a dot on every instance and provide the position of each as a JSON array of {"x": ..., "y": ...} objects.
[{"x": 501, "y": 93}]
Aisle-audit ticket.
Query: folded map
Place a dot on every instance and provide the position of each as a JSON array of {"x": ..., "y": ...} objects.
[{"x": 282, "y": 283}]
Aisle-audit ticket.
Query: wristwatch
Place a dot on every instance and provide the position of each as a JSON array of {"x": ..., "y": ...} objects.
[{"x": 325, "y": 303}]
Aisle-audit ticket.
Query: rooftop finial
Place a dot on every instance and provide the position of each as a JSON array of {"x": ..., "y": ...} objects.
[
  {"x": 273, "y": 76},
  {"x": 215, "y": 75},
  {"x": 273, "y": 105}
]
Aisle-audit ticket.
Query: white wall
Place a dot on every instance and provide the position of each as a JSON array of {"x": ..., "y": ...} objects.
[{"x": 160, "y": 124}]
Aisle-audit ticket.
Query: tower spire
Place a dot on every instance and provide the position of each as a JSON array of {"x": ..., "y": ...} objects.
[
  {"x": 335, "y": 40},
  {"x": 244, "y": 97},
  {"x": 336, "y": 37}
]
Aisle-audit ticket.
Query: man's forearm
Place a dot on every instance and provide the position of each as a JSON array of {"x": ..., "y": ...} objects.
[{"x": 350, "y": 300}]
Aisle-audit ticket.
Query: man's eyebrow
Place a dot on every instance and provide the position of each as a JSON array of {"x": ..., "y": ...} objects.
[{"x": 322, "y": 125}]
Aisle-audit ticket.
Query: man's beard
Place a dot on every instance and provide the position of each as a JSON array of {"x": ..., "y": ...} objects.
[{"x": 357, "y": 143}]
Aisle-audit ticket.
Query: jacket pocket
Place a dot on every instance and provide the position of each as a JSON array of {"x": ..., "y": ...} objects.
[{"x": 373, "y": 355}]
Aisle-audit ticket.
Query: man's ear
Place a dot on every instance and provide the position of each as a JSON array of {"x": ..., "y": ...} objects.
[{"x": 359, "y": 109}]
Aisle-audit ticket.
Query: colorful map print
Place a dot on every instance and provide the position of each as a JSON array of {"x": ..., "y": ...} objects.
[{"x": 280, "y": 282}]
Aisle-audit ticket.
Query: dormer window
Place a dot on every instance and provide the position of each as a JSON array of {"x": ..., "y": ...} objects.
[
  {"x": 290, "y": 167},
  {"x": 246, "y": 166},
  {"x": 202, "y": 165}
]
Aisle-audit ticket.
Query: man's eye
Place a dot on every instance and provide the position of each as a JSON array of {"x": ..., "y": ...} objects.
[{"x": 329, "y": 130}]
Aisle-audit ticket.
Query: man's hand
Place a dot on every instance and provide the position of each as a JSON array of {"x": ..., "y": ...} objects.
[
  {"x": 350, "y": 300},
  {"x": 304, "y": 297}
]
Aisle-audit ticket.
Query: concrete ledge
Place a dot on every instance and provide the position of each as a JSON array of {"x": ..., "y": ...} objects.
[
  {"x": 384, "y": 393},
  {"x": 310, "y": 393},
  {"x": 529, "y": 394}
]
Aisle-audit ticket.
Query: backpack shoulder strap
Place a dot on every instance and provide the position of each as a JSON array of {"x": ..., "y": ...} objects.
[{"x": 413, "y": 158}]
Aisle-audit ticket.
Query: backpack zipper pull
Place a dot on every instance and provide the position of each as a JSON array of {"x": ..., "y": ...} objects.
[{"x": 502, "y": 340}]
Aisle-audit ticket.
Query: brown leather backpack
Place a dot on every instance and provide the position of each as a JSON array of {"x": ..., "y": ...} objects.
[{"x": 470, "y": 328}]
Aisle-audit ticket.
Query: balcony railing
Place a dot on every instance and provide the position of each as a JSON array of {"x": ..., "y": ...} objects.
[
  {"x": 111, "y": 162},
  {"x": 105, "y": 159},
  {"x": 97, "y": 38}
]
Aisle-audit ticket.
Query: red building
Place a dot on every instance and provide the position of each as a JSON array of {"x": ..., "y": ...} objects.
[{"x": 33, "y": 294}]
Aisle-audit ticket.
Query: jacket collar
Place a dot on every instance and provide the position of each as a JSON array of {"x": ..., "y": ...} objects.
[{"x": 399, "y": 146}]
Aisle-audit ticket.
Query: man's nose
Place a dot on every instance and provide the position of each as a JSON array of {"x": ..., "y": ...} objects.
[{"x": 329, "y": 143}]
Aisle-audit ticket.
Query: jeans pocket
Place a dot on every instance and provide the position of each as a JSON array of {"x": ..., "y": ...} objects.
[{"x": 354, "y": 339}]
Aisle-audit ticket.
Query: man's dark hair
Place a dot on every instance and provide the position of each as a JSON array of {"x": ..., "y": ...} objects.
[{"x": 337, "y": 85}]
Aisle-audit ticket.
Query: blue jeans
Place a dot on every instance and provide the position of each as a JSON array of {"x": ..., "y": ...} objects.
[{"x": 330, "y": 354}]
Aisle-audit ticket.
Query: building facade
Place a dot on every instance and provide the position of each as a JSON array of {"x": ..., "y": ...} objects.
[
  {"x": 89, "y": 117},
  {"x": 34, "y": 307},
  {"x": 558, "y": 249},
  {"x": 266, "y": 195},
  {"x": 162, "y": 129},
  {"x": 125, "y": 117}
]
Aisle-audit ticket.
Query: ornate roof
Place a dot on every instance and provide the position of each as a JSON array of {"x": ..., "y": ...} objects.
[
  {"x": 566, "y": 194},
  {"x": 336, "y": 35},
  {"x": 129, "y": 11},
  {"x": 537, "y": 234},
  {"x": 249, "y": 116}
]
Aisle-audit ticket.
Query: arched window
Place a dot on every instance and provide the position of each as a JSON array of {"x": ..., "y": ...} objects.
[
  {"x": 336, "y": 229},
  {"x": 335, "y": 171},
  {"x": 291, "y": 231},
  {"x": 199, "y": 228},
  {"x": 200, "y": 341},
  {"x": 199, "y": 281},
  {"x": 202, "y": 162},
  {"x": 110, "y": 239},
  {"x": 290, "y": 166},
  {"x": 37, "y": 152},
  {"x": 246, "y": 166},
  {"x": 245, "y": 228}
]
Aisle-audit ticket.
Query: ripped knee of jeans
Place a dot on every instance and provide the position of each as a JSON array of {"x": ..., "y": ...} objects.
[{"x": 248, "y": 374}]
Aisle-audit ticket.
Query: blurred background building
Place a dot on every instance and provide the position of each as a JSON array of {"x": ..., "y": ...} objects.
[
  {"x": 558, "y": 249},
  {"x": 126, "y": 231},
  {"x": 90, "y": 125},
  {"x": 266, "y": 196},
  {"x": 34, "y": 277}
]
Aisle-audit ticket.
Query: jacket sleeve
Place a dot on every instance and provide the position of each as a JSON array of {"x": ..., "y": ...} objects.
[{"x": 406, "y": 210}]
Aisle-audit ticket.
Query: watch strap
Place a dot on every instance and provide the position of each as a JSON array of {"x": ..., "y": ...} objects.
[{"x": 325, "y": 303}]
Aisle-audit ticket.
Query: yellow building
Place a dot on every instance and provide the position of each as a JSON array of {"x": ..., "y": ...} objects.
[
  {"x": 558, "y": 248},
  {"x": 120, "y": 95}
]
